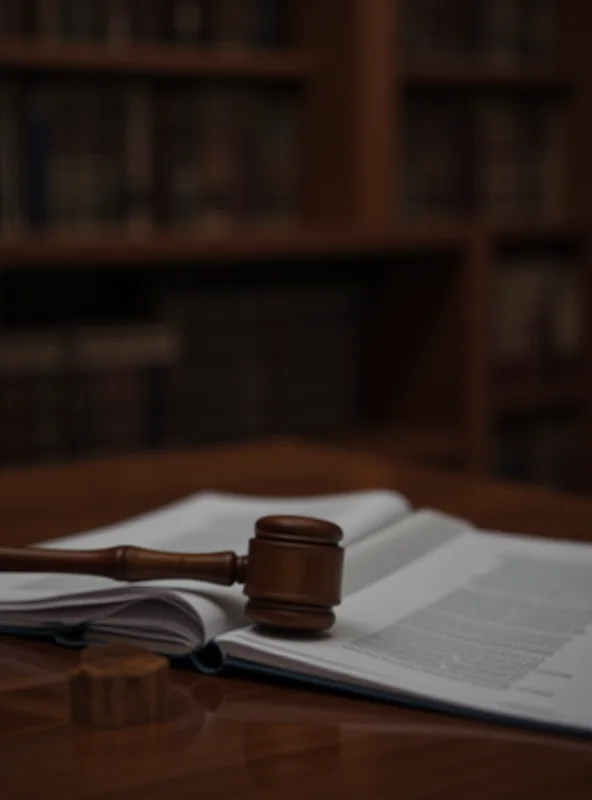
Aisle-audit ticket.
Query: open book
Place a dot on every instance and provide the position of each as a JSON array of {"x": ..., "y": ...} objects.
[{"x": 435, "y": 613}]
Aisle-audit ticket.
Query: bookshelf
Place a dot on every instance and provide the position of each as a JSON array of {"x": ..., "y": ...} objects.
[
  {"x": 454, "y": 76},
  {"x": 414, "y": 184},
  {"x": 466, "y": 73},
  {"x": 152, "y": 60}
]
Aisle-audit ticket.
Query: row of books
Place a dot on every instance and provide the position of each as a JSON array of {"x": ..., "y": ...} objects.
[
  {"x": 86, "y": 154},
  {"x": 497, "y": 33},
  {"x": 218, "y": 365},
  {"x": 537, "y": 318},
  {"x": 540, "y": 450},
  {"x": 86, "y": 392},
  {"x": 220, "y": 23},
  {"x": 267, "y": 360},
  {"x": 501, "y": 156}
]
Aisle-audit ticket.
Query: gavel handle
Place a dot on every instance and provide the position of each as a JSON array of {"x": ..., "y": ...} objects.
[{"x": 127, "y": 563}]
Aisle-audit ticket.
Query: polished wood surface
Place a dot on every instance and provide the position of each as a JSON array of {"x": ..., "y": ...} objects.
[
  {"x": 291, "y": 575},
  {"x": 151, "y": 59},
  {"x": 252, "y": 738}
]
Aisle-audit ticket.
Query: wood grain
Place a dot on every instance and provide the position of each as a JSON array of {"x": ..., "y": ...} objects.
[
  {"x": 230, "y": 737},
  {"x": 152, "y": 59},
  {"x": 118, "y": 685}
]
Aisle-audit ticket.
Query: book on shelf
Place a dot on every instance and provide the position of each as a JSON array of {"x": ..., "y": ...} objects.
[
  {"x": 15, "y": 18},
  {"x": 120, "y": 390},
  {"x": 520, "y": 149},
  {"x": 216, "y": 365},
  {"x": 515, "y": 33},
  {"x": 87, "y": 391},
  {"x": 244, "y": 23},
  {"x": 82, "y": 156},
  {"x": 498, "y": 154},
  {"x": 435, "y": 612},
  {"x": 499, "y": 32},
  {"x": 184, "y": 21},
  {"x": 11, "y": 189},
  {"x": 266, "y": 360},
  {"x": 539, "y": 31},
  {"x": 208, "y": 23},
  {"x": 230, "y": 156},
  {"x": 540, "y": 449},
  {"x": 537, "y": 318},
  {"x": 437, "y": 31},
  {"x": 33, "y": 390},
  {"x": 74, "y": 163},
  {"x": 86, "y": 19},
  {"x": 273, "y": 160},
  {"x": 504, "y": 34},
  {"x": 436, "y": 160}
]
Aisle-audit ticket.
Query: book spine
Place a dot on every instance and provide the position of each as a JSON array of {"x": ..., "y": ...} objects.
[
  {"x": 274, "y": 360},
  {"x": 537, "y": 317},
  {"x": 150, "y": 19},
  {"x": 500, "y": 33},
  {"x": 538, "y": 31},
  {"x": 271, "y": 23},
  {"x": 162, "y": 134},
  {"x": 541, "y": 451},
  {"x": 185, "y": 22},
  {"x": 139, "y": 158},
  {"x": 85, "y": 19},
  {"x": 47, "y": 21},
  {"x": 275, "y": 183},
  {"x": 118, "y": 21},
  {"x": 218, "y": 171},
  {"x": 86, "y": 183},
  {"x": 517, "y": 312},
  {"x": 553, "y": 163},
  {"x": 120, "y": 385},
  {"x": 10, "y": 179},
  {"x": 416, "y": 34},
  {"x": 178, "y": 137},
  {"x": 14, "y": 19},
  {"x": 436, "y": 156},
  {"x": 231, "y": 24},
  {"x": 31, "y": 398},
  {"x": 38, "y": 142}
]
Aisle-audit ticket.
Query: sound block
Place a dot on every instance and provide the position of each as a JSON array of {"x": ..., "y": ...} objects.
[{"x": 118, "y": 685}]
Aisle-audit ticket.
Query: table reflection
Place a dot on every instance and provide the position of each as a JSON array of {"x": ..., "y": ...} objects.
[{"x": 253, "y": 737}]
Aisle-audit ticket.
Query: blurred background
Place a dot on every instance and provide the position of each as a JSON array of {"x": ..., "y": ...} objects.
[{"x": 363, "y": 222}]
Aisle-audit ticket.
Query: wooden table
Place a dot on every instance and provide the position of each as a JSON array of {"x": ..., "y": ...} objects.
[{"x": 234, "y": 738}]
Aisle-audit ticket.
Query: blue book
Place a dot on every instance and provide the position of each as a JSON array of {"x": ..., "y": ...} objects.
[
  {"x": 38, "y": 130},
  {"x": 434, "y": 612}
]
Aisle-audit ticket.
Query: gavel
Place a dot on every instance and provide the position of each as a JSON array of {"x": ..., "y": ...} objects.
[{"x": 292, "y": 574}]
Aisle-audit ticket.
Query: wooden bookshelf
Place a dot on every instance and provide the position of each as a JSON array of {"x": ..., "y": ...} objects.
[
  {"x": 429, "y": 385},
  {"x": 153, "y": 60},
  {"x": 557, "y": 78},
  {"x": 77, "y": 251},
  {"x": 441, "y": 447},
  {"x": 477, "y": 76},
  {"x": 569, "y": 231},
  {"x": 537, "y": 395},
  {"x": 246, "y": 243}
]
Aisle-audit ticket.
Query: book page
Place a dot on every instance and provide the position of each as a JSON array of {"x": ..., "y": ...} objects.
[
  {"x": 207, "y": 522},
  {"x": 489, "y": 623},
  {"x": 394, "y": 547}
]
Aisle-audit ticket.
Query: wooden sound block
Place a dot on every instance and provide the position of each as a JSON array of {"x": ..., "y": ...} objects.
[{"x": 117, "y": 685}]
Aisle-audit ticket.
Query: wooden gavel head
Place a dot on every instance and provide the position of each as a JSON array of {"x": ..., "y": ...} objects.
[{"x": 293, "y": 573}]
